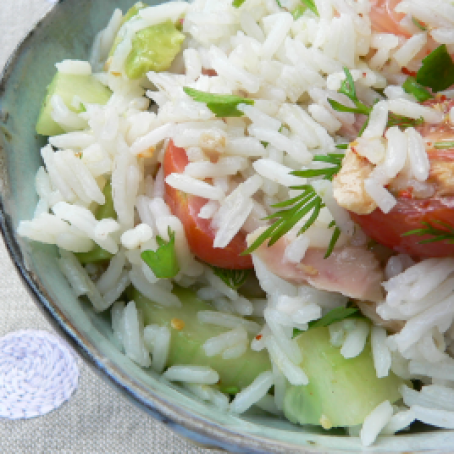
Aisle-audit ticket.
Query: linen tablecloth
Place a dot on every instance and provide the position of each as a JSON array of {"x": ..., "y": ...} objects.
[{"x": 97, "y": 419}]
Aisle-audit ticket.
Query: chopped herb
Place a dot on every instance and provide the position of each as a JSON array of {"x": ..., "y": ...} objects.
[
  {"x": 296, "y": 208},
  {"x": 298, "y": 12},
  {"x": 327, "y": 172},
  {"x": 443, "y": 145},
  {"x": 163, "y": 262},
  {"x": 348, "y": 88},
  {"x": 334, "y": 315},
  {"x": 402, "y": 121},
  {"x": 416, "y": 89},
  {"x": 232, "y": 390},
  {"x": 237, "y": 3},
  {"x": 437, "y": 70},
  {"x": 342, "y": 146},
  {"x": 233, "y": 278},
  {"x": 418, "y": 23},
  {"x": 447, "y": 233},
  {"x": 311, "y": 5},
  {"x": 332, "y": 242},
  {"x": 308, "y": 202},
  {"x": 279, "y": 3},
  {"x": 220, "y": 105}
]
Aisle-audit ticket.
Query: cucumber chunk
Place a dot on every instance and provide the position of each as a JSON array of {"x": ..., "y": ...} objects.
[
  {"x": 186, "y": 343},
  {"x": 341, "y": 392},
  {"x": 86, "y": 87}
]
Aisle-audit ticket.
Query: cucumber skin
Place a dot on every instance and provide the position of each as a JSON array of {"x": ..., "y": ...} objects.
[
  {"x": 186, "y": 344},
  {"x": 87, "y": 88},
  {"x": 344, "y": 391}
]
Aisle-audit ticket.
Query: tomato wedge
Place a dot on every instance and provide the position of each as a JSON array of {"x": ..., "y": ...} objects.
[
  {"x": 407, "y": 215},
  {"x": 410, "y": 213},
  {"x": 199, "y": 232}
]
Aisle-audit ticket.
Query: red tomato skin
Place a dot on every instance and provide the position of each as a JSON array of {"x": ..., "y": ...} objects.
[
  {"x": 408, "y": 214},
  {"x": 198, "y": 231}
]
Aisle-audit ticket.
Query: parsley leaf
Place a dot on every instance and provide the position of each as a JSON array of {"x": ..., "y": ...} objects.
[
  {"x": 437, "y": 70},
  {"x": 416, "y": 89},
  {"x": 233, "y": 278},
  {"x": 163, "y": 262},
  {"x": 237, "y": 3},
  {"x": 348, "y": 88},
  {"x": 311, "y": 5},
  {"x": 335, "y": 315},
  {"x": 220, "y": 105}
]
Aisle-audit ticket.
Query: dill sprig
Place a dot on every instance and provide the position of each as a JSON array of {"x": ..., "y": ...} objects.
[
  {"x": 348, "y": 89},
  {"x": 233, "y": 278},
  {"x": 437, "y": 234},
  {"x": 306, "y": 203}
]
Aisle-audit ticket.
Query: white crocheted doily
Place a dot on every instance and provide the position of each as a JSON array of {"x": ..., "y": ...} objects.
[{"x": 38, "y": 372}]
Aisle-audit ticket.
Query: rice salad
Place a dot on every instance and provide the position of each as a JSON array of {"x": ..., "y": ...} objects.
[{"x": 259, "y": 192}]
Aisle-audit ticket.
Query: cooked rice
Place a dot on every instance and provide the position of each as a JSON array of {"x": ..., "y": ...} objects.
[{"x": 242, "y": 167}]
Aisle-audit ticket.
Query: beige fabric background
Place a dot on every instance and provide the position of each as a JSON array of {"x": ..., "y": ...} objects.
[{"x": 96, "y": 419}]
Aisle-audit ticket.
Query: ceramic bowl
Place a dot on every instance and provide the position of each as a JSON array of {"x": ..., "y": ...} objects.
[{"x": 67, "y": 31}]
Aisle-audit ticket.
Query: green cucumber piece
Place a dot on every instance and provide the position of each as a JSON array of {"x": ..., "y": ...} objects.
[
  {"x": 186, "y": 343},
  {"x": 341, "y": 392},
  {"x": 86, "y": 87}
]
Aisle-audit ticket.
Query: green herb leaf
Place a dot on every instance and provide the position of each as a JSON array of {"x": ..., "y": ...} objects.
[
  {"x": 417, "y": 90},
  {"x": 348, "y": 88},
  {"x": 335, "y": 315},
  {"x": 341, "y": 108},
  {"x": 308, "y": 202},
  {"x": 437, "y": 70},
  {"x": 342, "y": 146},
  {"x": 163, "y": 262},
  {"x": 327, "y": 172},
  {"x": 232, "y": 390},
  {"x": 237, "y": 3},
  {"x": 298, "y": 12},
  {"x": 233, "y": 278},
  {"x": 220, "y": 105},
  {"x": 311, "y": 5},
  {"x": 418, "y": 23},
  {"x": 447, "y": 233},
  {"x": 443, "y": 145},
  {"x": 403, "y": 122},
  {"x": 279, "y": 3},
  {"x": 332, "y": 241}
]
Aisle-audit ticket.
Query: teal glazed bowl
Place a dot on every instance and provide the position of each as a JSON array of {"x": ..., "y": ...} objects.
[{"x": 67, "y": 31}]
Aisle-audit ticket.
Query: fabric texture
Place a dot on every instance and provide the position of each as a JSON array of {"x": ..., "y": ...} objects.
[{"x": 97, "y": 418}]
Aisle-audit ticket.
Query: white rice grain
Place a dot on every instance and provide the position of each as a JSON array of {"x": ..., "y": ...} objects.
[
  {"x": 252, "y": 393},
  {"x": 192, "y": 374}
]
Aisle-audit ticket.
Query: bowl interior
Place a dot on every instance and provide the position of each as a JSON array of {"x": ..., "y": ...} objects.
[{"x": 67, "y": 32}]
